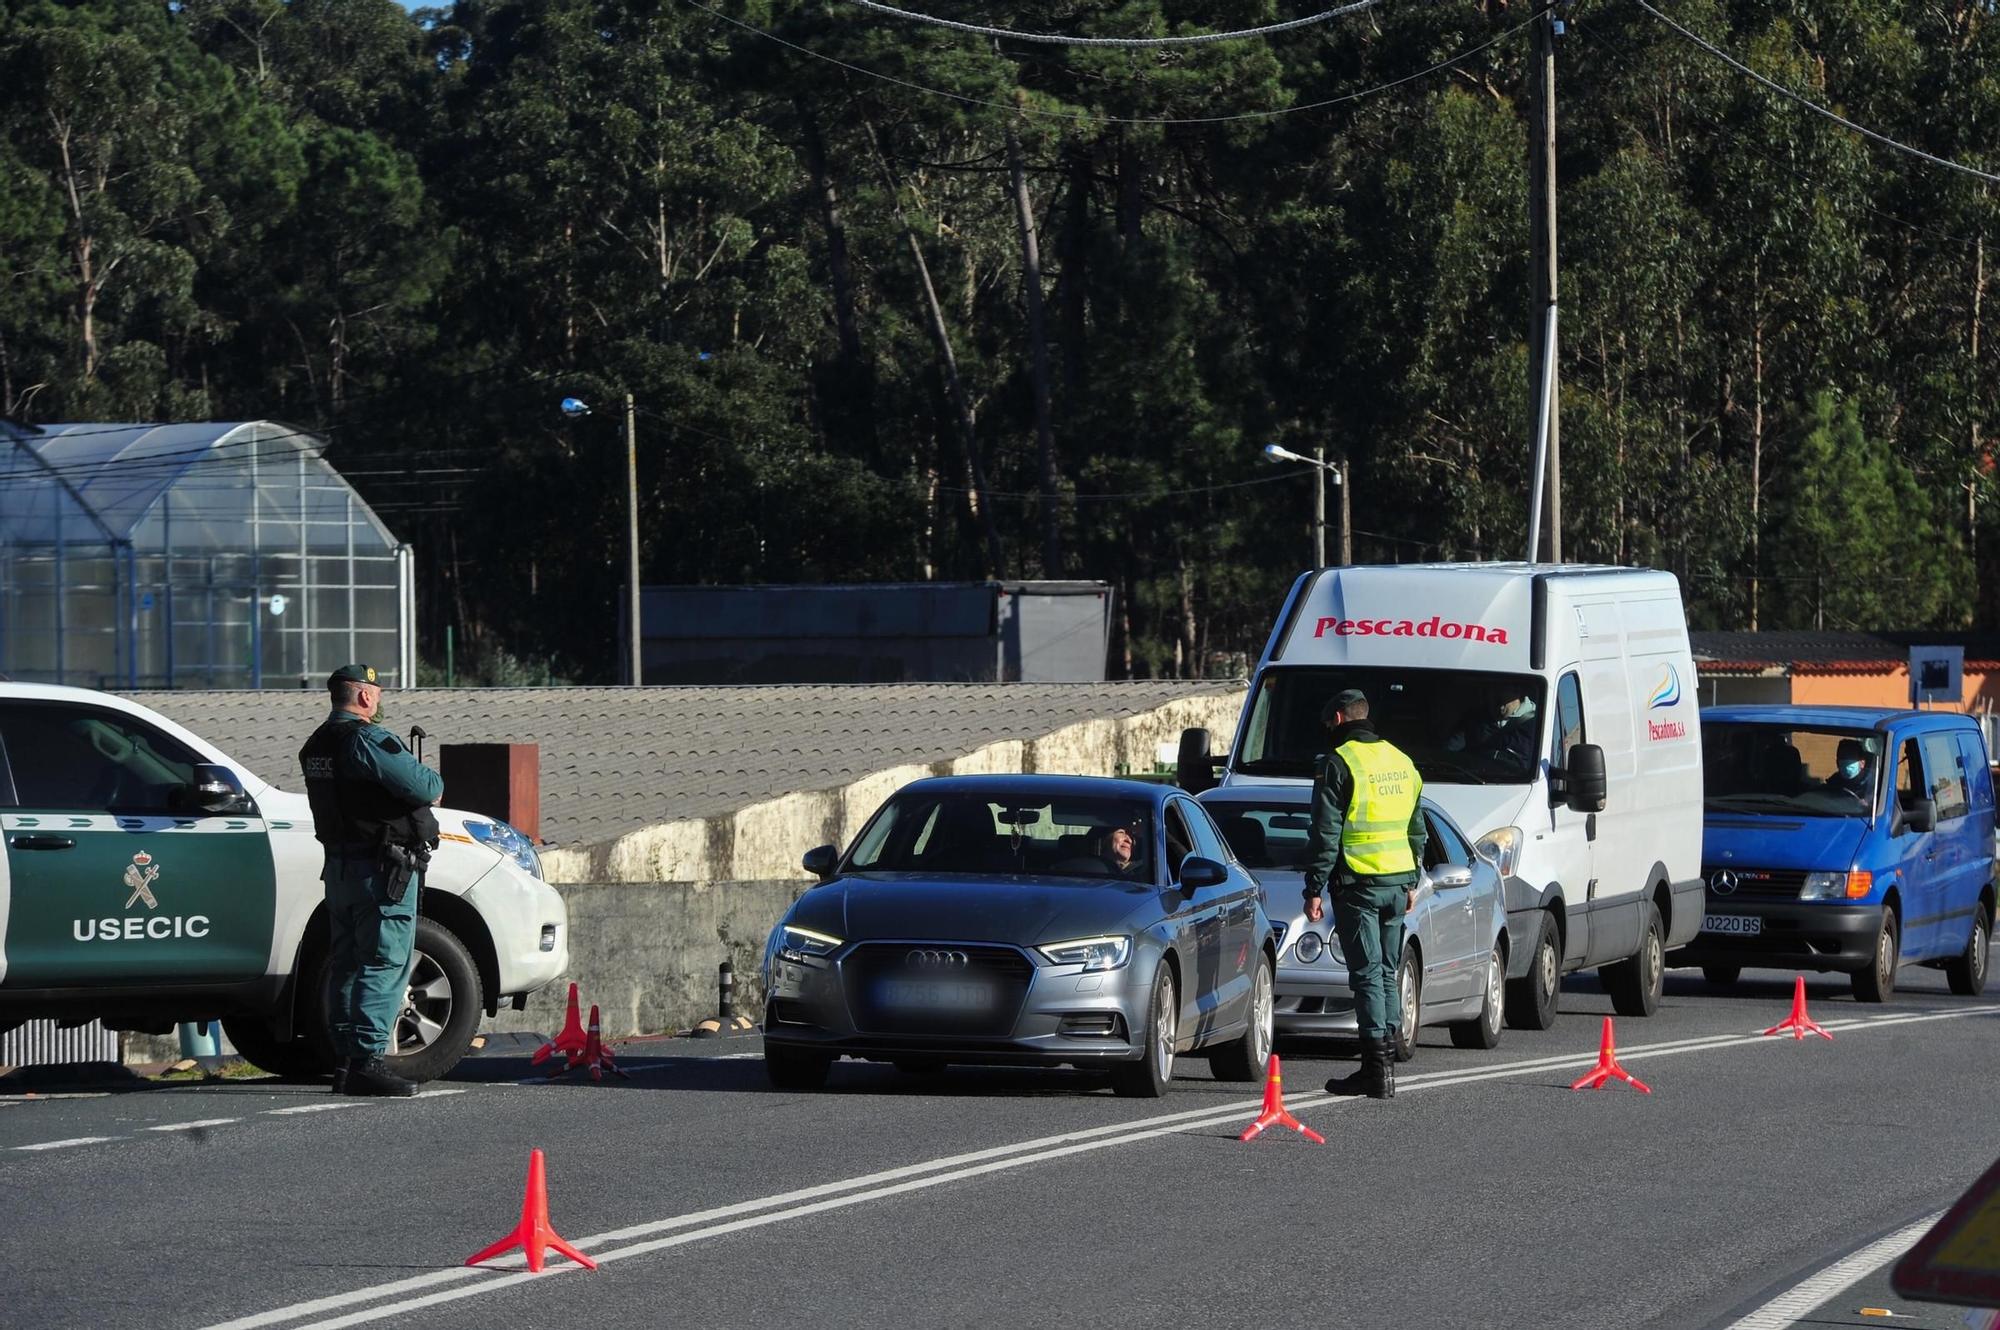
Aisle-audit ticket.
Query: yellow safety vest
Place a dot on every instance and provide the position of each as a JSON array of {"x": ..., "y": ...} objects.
[{"x": 1375, "y": 836}]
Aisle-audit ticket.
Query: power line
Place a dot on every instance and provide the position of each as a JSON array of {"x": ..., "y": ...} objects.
[
  {"x": 1089, "y": 117},
  {"x": 1815, "y": 107},
  {"x": 1064, "y": 39}
]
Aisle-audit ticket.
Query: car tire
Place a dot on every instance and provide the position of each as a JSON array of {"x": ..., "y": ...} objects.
[
  {"x": 1877, "y": 980},
  {"x": 1245, "y": 1058},
  {"x": 1722, "y": 976},
  {"x": 1635, "y": 984},
  {"x": 442, "y": 1011},
  {"x": 299, "y": 1058},
  {"x": 1966, "y": 972},
  {"x": 1410, "y": 997},
  {"x": 798, "y": 1069},
  {"x": 1483, "y": 1031},
  {"x": 1149, "y": 1077},
  {"x": 1531, "y": 999}
]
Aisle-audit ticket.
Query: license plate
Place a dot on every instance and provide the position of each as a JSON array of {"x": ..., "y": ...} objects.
[
  {"x": 1742, "y": 925},
  {"x": 936, "y": 994}
]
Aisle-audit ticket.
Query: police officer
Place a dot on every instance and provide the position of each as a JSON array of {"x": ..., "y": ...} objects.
[
  {"x": 1367, "y": 839},
  {"x": 371, "y": 811}
]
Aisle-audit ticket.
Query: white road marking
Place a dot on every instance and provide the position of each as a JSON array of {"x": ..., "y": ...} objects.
[
  {"x": 1781, "y": 1312},
  {"x": 316, "y": 1108},
  {"x": 194, "y": 1126},
  {"x": 807, "y": 1201},
  {"x": 64, "y": 1145},
  {"x": 435, "y": 1094}
]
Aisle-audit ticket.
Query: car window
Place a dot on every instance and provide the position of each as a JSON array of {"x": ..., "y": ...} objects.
[
  {"x": 1208, "y": 841},
  {"x": 86, "y": 759},
  {"x": 1264, "y": 835},
  {"x": 1978, "y": 775},
  {"x": 1005, "y": 834},
  {"x": 1569, "y": 717},
  {"x": 1910, "y": 783},
  {"x": 1179, "y": 843},
  {"x": 1947, "y": 775},
  {"x": 1447, "y": 846}
]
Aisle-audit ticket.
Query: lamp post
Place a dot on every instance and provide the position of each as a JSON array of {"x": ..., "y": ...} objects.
[
  {"x": 575, "y": 409},
  {"x": 1338, "y": 471}
]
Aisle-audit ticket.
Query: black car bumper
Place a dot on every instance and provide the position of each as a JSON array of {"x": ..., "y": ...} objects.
[{"x": 1791, "y": 935}]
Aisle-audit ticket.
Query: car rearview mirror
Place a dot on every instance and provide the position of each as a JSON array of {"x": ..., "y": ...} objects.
[
  {"x": 1916, "y": 815},
  {"x": 1197, "y": 872},
  {"x": 1449, "y": 877},
  {"x": 820, "y": 861},
  {"x": 215, "y": 789},
  {"x": 1194, "y": 767},
  {"x": 1584, "y": 778}
]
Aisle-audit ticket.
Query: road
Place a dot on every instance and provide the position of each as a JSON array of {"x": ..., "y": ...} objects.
[{"x": 1487, "y": 1193}]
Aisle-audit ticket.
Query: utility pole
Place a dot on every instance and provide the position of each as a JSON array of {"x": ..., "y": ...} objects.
[
  {"x": 1542, "y": 379},
  {"x": 633, "y": 666},
  {"x": 1319, "y": 507},
  {"x": 1341, "y": 477}
]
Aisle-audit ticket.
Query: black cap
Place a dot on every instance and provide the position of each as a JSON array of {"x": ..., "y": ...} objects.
[
  {"x": 1343, "y": 700},
  {"x": 353, "y": 674}
]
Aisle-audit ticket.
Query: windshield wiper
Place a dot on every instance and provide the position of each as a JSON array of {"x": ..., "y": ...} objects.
[{"x": 1773, "y": 802}]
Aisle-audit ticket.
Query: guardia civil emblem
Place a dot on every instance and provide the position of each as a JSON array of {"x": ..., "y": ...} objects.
[{"x": 139, "y": 875}]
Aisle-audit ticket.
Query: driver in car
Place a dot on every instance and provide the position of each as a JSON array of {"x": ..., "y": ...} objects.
[
  {"x": 1120, "y": 852},
  {"x": 1854, "y": 770},
  {"x": 1509, "y": 729}
]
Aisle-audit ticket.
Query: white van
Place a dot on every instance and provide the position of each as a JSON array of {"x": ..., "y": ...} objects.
[
  {"x": 149, "y": 878},
  {"x": 1551, "y": 711}
]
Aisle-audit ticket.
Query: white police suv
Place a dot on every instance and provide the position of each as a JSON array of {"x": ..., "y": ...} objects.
[{"x": 149, "y": 879}]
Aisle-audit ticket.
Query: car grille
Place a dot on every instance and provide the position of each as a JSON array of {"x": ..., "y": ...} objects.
[
  {"x": 871, "y": 965},
  {"x": 1755, "y": 884}
]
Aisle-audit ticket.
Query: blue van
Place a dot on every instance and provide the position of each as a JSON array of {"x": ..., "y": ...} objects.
[{"x": 1850, "y": 839}]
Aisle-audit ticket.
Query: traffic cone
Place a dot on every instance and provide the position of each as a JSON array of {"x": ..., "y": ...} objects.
[
  {"x": 595, "y": 1055},
  {"x": 570, "y": 1040},
  {"x": 1274, "y": 1113},
  {"x": 533, "y": 1233},
  {"x": 1798, "y": 1022},
  {"x": 1607, "y": 1068}
]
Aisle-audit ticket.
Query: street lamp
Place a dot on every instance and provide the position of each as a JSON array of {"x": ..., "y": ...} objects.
[
  {"x": 575, "y": 408},
  {"x": 1338, "y": 471}
]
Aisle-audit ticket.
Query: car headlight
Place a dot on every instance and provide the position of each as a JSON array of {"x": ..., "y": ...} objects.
[
  {"x": 508, "y": 843},
  {"x": 1309, "y": 948},
  {"x": 801, "y": 942},
  {"x": 1092, "y": 953},
  {"x": 1501, "y": 847},
  {"x": 1836, "y": 886}
]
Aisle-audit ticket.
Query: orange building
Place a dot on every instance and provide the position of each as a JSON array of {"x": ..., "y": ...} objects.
[{"x": 1838, "y": 669}]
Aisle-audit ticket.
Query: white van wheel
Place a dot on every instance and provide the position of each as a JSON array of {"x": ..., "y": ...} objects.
[
  {"x": 1635, "y": 984},
  {"x": 1531, "y": 999}
]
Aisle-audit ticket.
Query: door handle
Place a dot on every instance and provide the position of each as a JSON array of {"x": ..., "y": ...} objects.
[{"x": 42, "y": 843}]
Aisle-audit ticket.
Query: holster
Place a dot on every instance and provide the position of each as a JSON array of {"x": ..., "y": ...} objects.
[{"x": 401, "y": 866}]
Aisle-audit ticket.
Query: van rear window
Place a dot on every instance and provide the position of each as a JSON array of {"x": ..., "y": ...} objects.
[{"x": 1796, "y": 772}]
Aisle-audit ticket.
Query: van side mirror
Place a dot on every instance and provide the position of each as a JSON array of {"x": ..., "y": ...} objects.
[
  {"x": 1197, "y": 872},
  {"x": 820, "y": 861},
  {"x": 1915, "y": 815},
  {"x": 1584, "y": 779},
  {"x": 215, "y": 789},
  {"x": 1194, "y": 768}
]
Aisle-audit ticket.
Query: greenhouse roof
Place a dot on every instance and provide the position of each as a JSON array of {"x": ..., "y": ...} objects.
[{"x": 111, "y": 475}]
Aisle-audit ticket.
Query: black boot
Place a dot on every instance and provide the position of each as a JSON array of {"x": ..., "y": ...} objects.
[
  {"x": 341, "y": 1066},
  {"x": 1382, "y": 1082},
  {"x": 1362, "y": 1079},
  {"x": 371, "y": 1077}
]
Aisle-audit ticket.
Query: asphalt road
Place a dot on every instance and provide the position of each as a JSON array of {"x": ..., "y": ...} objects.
[{"x": 1487, "y": 1193}]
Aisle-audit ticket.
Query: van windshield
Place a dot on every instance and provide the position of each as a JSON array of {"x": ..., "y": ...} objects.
[
  {"x": 1461, "y": 727},
  {"x": 1757, "y": 768}
]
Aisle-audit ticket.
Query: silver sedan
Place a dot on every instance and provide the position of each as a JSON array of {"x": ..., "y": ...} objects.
[{"x": 1453, "y": 969}]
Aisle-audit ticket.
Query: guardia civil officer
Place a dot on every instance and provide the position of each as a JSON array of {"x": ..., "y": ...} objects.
[
  {"x": 1367, "y": 839},
  {"x": 371, "y": 811}
]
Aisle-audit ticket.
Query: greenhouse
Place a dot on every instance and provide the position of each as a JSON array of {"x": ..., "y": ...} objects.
[{"x": 192, "y": 556}]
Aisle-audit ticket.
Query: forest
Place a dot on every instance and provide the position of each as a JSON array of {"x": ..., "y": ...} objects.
[{"x": 898, "y": 302}]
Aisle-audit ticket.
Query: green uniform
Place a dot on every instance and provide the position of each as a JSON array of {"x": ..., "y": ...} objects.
[
  {"x": 1368, "y": 838},
  {"x": 359, "y": 776}
]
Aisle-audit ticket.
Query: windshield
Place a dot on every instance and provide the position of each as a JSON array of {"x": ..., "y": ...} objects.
[
  {"x": 1461, "y": 727},
  {"x": 1265, "y": 835},
  {"x": 1004, "y": 835},
  {"x": 1756, "y": 768}
]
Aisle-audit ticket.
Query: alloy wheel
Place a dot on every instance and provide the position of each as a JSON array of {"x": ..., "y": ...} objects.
[
  {"x": 426, "y": 1007},
  {"x": 1406, "y": 987},
  {"x": 1166, "y": 1021},
  {"x": 1496, "y": 992}
]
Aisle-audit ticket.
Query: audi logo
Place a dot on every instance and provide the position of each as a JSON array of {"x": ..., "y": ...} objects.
[
  {"x": 1722, "y": 883},
  {"x": 937, "y": 960}
]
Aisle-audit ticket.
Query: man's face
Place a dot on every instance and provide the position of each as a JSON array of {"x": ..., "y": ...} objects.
[
  {"x": 1510, "y": 707},
  {"x": 1120, "y": 845}
]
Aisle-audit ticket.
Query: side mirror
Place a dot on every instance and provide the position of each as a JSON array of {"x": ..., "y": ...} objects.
[
  {"x": 820, "y": 861},
  {"x": 215, "y": 789},
  {"x": 1450, "y": 877},
  {"x": 1585, "y": 779},
  {"x": 1916, "y": 815},
  {"x": 1197, "y": 872},
  {"x": 1194, "y": 768}
]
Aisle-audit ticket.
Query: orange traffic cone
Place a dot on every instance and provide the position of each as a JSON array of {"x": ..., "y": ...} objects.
[
  {"x": 595, "y": 1055},
  {"x": 1274, "y": 1113},
  {"x": 533, "y": 1233},
  {"x": 1607, "y": 1068},
  {"x": 570, "y": 1040},
  {"x": 1798, "y": 1022}
]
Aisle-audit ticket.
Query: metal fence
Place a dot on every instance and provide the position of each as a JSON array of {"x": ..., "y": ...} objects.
[{"x": 40, "y": 1043}]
